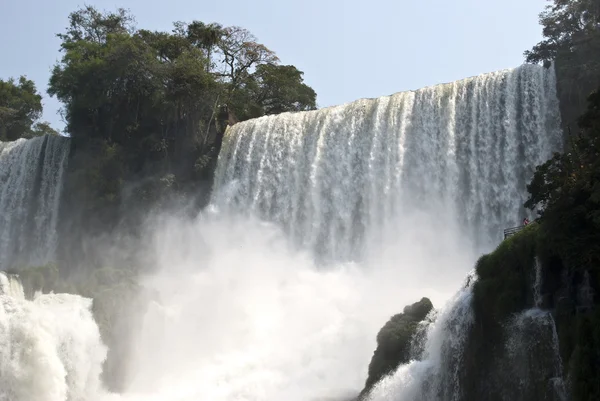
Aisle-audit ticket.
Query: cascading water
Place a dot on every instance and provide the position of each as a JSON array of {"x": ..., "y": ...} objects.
[
  {"x": 531, "y": 366},
  {"x": 435, "y": 375},
  {"x": 31, "y": 174},
  {"x": 50, "y": 348},
  {"x": 390, "y": 191},
  {"x": 344, "y": 178},
  {"x": 11, "y": 286}
]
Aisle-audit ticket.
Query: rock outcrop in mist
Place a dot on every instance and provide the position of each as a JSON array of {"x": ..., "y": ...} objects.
[{"x": 395, "y": 342}]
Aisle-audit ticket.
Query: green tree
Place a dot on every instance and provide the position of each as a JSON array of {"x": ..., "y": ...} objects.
[
  {"x": 566, "y": 190},
  {"x": 281, "y": 88},
  {"x": 90, "y": 25},
  {"x": 571, "y": 30},
  {"x": 20, "y": 109},
  {"x": 147, "y": 104},
  {"x": 206, "y": 37},
  {"x": 569, "y": 25}
]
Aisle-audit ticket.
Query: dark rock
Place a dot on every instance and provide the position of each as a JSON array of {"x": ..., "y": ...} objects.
[{"x": 394, "y": 342}]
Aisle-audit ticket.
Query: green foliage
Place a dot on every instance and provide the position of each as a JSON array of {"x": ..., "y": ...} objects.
[
  {"x": 567, "y": 189},
  {"x": 569, "y": 25},
  {"x": 571, "y": 30},
  {"x": 143, "y": 106},
  {"x": 90, "y": 25},
  {"x": 583, "y": 366},
  {"x": 280, "y": 88},
  {"x": 20, "y": 110},
  {"x": 394, "y": 342},
  {"x": 505, "y": 280}
]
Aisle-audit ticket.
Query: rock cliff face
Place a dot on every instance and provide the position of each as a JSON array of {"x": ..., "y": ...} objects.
[
  {"x": 535, "y": 335},
  {"x": 397, "y": 342}
]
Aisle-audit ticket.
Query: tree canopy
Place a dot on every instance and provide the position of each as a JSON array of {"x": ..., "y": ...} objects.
[
  {"x": 20, "y": 110},
  {"x": 566, "y": 190},
  {"x": 157, "y": 93},
  {"x": 571, "y": 30},
  {"x": 147, "y": 109},
  {"x": 569, "y": 26}
]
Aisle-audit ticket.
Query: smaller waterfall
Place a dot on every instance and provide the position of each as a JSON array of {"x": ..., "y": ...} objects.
[
  {"x": 532, "y": 368},
  {"x": 31, "y": 175},
  {"x": 537, "y": 284},
  {"x": 11, "y": 286},
  {"x": 50, "y": 347},
  {"x": 435, "y": 377}
]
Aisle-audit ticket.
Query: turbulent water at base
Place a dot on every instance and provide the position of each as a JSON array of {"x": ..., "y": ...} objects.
[
  {"x": 31, "y": 174},
  {"x": 342, "y": 178},
  {"x": 50, "y": 348},
  {"x": 435, "y": 375}
]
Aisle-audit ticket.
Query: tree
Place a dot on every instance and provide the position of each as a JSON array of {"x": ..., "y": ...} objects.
[
  {"x": 146, "y": 104},
  {"x": 240, "y": 54},
  {"x": 566, "y": 189},
  {"x": 90, "y": 25},
  {"x": 281, "y": 88},
  {"x": 20, "y": 109},
  {"x": 571, "y": 30},
  {"x": 206, "y": 37},
  {"x": 568, "y": 26}
]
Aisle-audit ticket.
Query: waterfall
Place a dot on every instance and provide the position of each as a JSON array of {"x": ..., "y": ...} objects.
[
  {"x": 390, "y": 192},
  {"x": 10, "y": 285},
  {"x": 342, "y": 179},
  {"x": 435, "y": 375},
  {"x": 532, "y": 366},
  {"x": 50, "y": 348},
  {"x": 31, "y": 174},
  {"x": 537, "y": 284}
]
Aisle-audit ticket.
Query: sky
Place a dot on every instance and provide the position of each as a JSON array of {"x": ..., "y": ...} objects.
[{"x": 348, "y": 49}]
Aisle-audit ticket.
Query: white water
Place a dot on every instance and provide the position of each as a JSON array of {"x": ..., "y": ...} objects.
[
  {"x": 403, "y": 186},
  {"x": 31, "y": 174},
  {"x": 11, "y": 286},
  {"x": 343, "y": 179},
  {"x": 533, "y": 358},
  {"x": 435, "y": 375},
  {"x": 50, "y": 347},
  {"x": 533, "y": 364},
  {"x": 243, "y": 315}
]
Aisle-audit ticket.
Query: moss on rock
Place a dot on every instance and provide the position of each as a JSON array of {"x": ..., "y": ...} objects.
[{"x": 394, "y": 342}]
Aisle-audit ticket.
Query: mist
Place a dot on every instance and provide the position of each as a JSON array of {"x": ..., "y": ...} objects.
[{"x": 240, "y": 312}]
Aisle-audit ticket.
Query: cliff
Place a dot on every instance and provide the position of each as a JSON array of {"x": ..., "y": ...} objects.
[{"x": 520, "y": 280}]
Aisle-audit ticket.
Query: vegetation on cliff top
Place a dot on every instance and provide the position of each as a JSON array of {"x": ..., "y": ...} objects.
[
  {"x": 147, "y": 109},
  {"x": 571, "y": 30}
]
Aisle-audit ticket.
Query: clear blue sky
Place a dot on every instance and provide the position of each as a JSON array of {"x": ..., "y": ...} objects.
[{"x": 348, "y": 49}]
